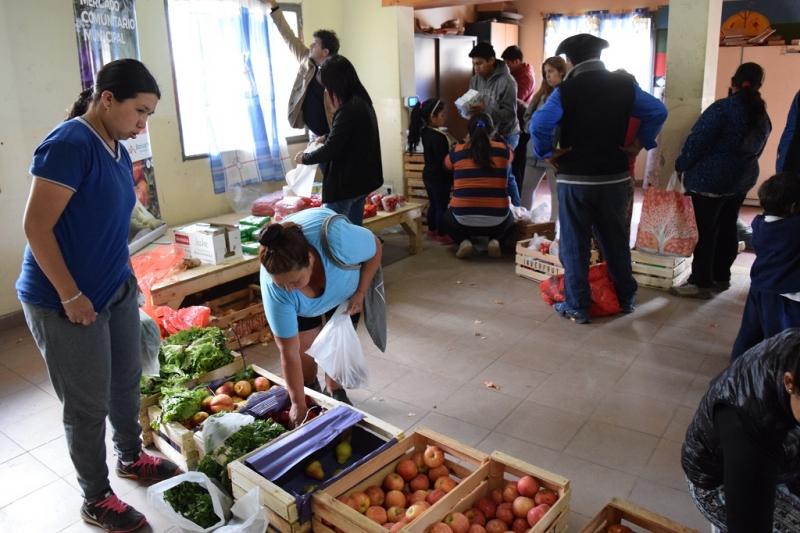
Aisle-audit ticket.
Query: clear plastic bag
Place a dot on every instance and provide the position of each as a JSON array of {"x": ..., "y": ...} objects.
[
  {"x": 220, "y": 501},
  {"x": 218, "y": 428},
  {"x": 150, "y": 342},
  {"x": 338, "y": 351},
  {"x": 247, "y": 515}
]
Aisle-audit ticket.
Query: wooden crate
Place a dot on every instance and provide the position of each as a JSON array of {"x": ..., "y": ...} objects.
[
  {"x": 241, "y": 316},
  {"x": 537, "y": 266},
  {"x": 500, "y": 469},
  {"x": 620, "y": 511},
  {"x": 175, "y": 441},
  {"x": 414, "y": 188},
  {"x": 526, "y": 230},
  {"x": 660, "y": 271},
  {"x": 279, "y": 505},
  {"x": 462, "y": 461}
]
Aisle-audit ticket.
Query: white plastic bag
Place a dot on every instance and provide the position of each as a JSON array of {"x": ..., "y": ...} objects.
[
  {"x": 338, "y": 351},
  {"x": 520, "y": 213},
  {"x": 540, "y": 213},
  {"x": 466, "y": 100},
  {"x": 218, "y": 428},
  {"x": 247, "y": 515},
  {"x": 220, "y": 501},
  {"x": 150, "y": 342}
]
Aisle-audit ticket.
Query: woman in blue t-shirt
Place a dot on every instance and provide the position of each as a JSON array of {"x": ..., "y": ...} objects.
[
  {"x": 77, "y": 288},
  {"x": 300, "y": 283}
]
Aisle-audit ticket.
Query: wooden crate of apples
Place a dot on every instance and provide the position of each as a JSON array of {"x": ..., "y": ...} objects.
[
  {"x": 612, "y": 517},
  {"x": 507, "y": 494},
  {"x": 400, "y": 489}
]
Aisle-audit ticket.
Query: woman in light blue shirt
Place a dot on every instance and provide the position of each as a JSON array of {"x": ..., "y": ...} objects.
[{"x": 300, "y": 283}]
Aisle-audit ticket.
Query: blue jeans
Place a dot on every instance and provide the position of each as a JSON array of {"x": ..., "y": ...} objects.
[
  {"x": 352, "y": 208},
  {"x": 95, "y": 372},
  {"x": 604, "y": 208},
  {"x": 513, "y": 191}
]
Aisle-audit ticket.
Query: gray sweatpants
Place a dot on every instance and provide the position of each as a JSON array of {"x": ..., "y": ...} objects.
[{"x": 95, "y": 372}]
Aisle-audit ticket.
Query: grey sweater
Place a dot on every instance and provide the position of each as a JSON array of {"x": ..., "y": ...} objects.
[{"x": 500, "y": 95}]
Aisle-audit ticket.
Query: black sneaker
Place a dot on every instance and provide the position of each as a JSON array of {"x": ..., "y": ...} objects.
[
  {"x": 339, "y": 395},
  {"x": 112, "y": 514},
  {"x": 148, "y": 468},
  {"x": 721, "y": 286}
]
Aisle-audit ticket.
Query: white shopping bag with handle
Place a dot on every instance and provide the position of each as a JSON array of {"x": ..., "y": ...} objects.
[
  {"x": 219, "y": 501},
  {"x": 338, "y": 351}
]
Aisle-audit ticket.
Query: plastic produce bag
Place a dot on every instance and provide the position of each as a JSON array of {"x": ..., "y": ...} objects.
[
  {"x": 247, "y": 515},
  {"x": 668, "y": 225},
  {"x": 171, "y": 320},
  {"x": 150, "y": 342},
  {"x": 264, "y": 206},
  {"x": 220, "y": 501},
  {"x": 338, "y": 351},
  {"x": 218, "y": 428},
  {"x": 469, "y": 98},
  {"x": 604, "y": 295}
]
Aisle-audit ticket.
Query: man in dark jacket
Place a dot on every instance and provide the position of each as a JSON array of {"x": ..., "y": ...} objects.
[
  {"x": 742, "y": 449},
  {"x": 592, "y": 107},
  {"x": 494, "y": 82},
  {"x": 789, "y": 146}
]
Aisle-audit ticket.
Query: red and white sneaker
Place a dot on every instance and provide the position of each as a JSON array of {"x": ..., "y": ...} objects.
[
  {"x": 148, "y": 468},
  {"x": 112, "y": 514}
]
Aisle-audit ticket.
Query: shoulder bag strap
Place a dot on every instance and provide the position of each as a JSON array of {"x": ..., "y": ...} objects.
[{"x": 326, "y": 247}]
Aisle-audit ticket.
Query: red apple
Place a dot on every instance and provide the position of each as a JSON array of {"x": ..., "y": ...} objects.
[
  {"x": 521, "y": 505},
  {"x": 394, "y": 498},
  {"x": 476, "y": 528},
  {"x": 536, "y": 514},
  {"x": 475, "y": 516},
  {"x": 415, "y": 510},
  {"x": 419, "y": 460},
  {"x": 398, "y": 526},
  {"x": 406, "y": 469},
  {"x": 546, "y": 496},
  {"x": 495, "y": 525},
  {"x": 393, "y": 482},
  {"x": 377, "y": 514},
  {"x": 226, "y": 388},
  {"x": 243, "y": 389},
  {"x": 497, "y": 496},
  {"x": 361, "y": 500},
  {"x": 520, "y": 525},
  {"x": 440, "y": 527},
  {"x": 457, "y": 522},
  {"x": 528, "y": 486},
  {"x": 421, "y": 482},
  {"x": 433, "y": 456},
  {"x": 505, "y": 513},
  {"x": 261, "y": 384},
  {"x": 220, "y": 403},
  {"x": 395, "y": 514},
  {"x": 618, "y": 528},
  {"x": 376, "y": 495},
  {"x": 434, "y": 496},
  {"x": 445, "y": 483},
  {"x": 488, "y": 507},
  {"x": 437, "y": 472},
  {"x": 510, "y": 492},
  {"x": 417, "y": 496},
  {"x": 206, "y": 404}
]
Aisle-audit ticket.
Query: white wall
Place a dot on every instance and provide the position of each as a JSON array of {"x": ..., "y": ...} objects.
[{"x": 40, "y": 79}]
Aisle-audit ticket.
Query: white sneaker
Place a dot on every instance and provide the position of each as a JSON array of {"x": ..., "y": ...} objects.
[
  {"x": 464, "y": 249},
  {"x": 494, "y": 248},
  {"x": 690, "y": 290}
]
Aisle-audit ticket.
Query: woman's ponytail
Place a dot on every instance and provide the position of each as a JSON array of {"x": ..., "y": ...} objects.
[
  {"x": 81, "y": 105},
  {"x": 481, "y": 130},
  {"x": 748, "y": 80},
  {"x": 283, "y": 248}
]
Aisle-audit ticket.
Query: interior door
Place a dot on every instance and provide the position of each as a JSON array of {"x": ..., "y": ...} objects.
[
  {"x": 425, "y": 71},
  {"x": 455, "y": 71}
]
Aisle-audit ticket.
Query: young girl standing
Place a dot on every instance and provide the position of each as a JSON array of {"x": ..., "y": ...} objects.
[{"x": 427, "y": 121}]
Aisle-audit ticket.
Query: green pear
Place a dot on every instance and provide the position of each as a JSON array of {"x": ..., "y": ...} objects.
[
  {"x": 343, "y": 452},
  {"x": 314, "y": 470}
]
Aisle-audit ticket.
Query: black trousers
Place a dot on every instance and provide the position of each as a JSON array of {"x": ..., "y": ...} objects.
[
  {"x": 438, "y": 199},
  {"x": 458, "y": 232},
  {"x": 718, "y": 240},
  {"x": 520, "y": 158}
]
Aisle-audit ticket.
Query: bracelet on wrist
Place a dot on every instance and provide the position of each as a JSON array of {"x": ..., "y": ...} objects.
[{"x": 70, "y": 300}]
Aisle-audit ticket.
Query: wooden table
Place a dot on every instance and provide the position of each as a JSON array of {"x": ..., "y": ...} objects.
[{"x": 171, "y": 291}]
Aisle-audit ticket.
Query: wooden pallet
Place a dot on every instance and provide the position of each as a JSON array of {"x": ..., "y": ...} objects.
[
  {"x": 660, "y": 271},
  {"x": 538, "y": 266},
  {"x": 414, "y": 188},
  {"x": 620, "y": 511},
  {"x": 500, "y": 469},
  {"x": 241, "y": 316},
  {"x": 526, "y": 230},
  {"x": 330, "y": 513},
  {"x": 279, "y": 505}
]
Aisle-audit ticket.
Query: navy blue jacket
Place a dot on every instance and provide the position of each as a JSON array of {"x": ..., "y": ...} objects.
[
  {"x": 720, "y": 156},
  {"x": 777, "y": 265},
  {"x": 789, "y": 146}
]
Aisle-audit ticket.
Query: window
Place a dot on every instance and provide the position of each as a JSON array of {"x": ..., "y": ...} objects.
[
  {"x": 630, "y": 38},
  {"x": 203, "y": 38}
]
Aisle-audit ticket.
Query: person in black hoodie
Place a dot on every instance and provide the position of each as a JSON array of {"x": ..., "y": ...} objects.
[
  {"x": 773, "y": 303},
  {"x": 353, "y": 146},
  {"x": 426, "y": 125},
  {"x": 742, "y": 449}
]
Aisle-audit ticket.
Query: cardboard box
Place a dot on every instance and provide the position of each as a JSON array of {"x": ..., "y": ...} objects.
[{"x": 210, "y": 243}]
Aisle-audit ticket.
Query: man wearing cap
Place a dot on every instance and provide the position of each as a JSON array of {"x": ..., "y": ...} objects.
[
  {"x": 592, "y": 107},
  {"x": 493, "y": 80}
]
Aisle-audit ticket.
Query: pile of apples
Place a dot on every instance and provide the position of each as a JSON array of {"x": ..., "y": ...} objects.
[
  {"x": 515, "y": 508},
  {"x": 228, "y": 397},
  {"x": 416, "y": 483}
]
